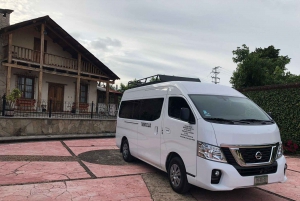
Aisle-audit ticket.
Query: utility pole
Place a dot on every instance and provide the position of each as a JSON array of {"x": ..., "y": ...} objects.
[{"x": 215, "y": 72}]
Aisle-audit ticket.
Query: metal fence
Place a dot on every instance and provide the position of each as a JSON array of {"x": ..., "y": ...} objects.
[{"x": 57, "y": 109}]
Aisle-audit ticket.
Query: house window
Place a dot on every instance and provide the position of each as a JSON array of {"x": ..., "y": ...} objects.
[
  {"x": 101, "y": 98},
  {"x": 83, "y": 93},
  {"x": 112, "y": 98},
  {"x": 26, "y": 86}
]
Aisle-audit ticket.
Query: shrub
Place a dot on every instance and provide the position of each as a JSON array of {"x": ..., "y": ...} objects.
[{"x": 290, "y": 147}]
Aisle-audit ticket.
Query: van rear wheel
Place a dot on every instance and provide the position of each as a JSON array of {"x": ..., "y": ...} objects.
[
  {"x": 126, "y": 152},
  {"x": 177, "y": 176}
]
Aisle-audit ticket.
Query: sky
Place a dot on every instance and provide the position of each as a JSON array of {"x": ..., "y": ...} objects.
[{"x": 140, "y": 38}]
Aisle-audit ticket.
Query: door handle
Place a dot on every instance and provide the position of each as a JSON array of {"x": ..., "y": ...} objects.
[
  {"x": 168, "y": 131},
  {"x": 155, "y": 130}
]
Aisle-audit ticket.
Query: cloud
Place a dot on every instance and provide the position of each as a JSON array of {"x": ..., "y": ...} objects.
[
  {"x": 136, "y": 39},
  {"x": 105, "y": 43},
  {"x": 26, "y": 10}
]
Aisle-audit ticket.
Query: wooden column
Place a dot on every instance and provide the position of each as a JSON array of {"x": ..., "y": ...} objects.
[
  {"x": 78, "y": 83},
  {"x": 41, "y": 66},
  {"x": 8, "y": 77},
  {"x": 107, "y": 94}
]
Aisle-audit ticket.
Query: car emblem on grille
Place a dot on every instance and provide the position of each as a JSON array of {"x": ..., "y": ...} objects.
[{"x": 258, "y": 155}]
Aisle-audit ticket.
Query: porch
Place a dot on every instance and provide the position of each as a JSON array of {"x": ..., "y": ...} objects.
[{"x": 57, "y": 109}]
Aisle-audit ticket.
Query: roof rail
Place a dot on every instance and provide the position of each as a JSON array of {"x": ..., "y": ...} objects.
[{"x": 158, "y": 79}]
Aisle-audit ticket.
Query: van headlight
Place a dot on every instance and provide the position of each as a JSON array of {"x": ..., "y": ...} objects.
[
  {"x": 210, "y": 152},
  {"x": 279, "y": 151}
]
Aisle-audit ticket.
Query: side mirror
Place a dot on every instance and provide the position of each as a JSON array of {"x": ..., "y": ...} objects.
[
  {"x": 270, "y": 114},
  {"x": 185, "y": 114}
]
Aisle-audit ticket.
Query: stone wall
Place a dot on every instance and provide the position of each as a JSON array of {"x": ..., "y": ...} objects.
[{"x": 38, "y": 126}]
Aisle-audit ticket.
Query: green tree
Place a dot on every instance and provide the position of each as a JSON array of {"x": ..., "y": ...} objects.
[
  {"x": 264, "y": 66},
  {"x": 123, "y": 87}
]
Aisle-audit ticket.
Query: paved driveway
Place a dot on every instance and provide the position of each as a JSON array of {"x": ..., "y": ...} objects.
[{"x": 94, "y": 170}]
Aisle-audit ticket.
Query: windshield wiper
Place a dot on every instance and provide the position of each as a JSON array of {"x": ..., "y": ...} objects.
[
  {"x": 257, "y": 120},
  {"x": 220, "y": 119}
]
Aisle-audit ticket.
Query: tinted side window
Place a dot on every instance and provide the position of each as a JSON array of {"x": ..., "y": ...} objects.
[
  {"x": 136, "y": 108},
  {"x": 126, "y": 109},
  {"x": 175, "y": 105},
  {"x": 151, "y": 109},
  {"x": 130, "y": 109}
]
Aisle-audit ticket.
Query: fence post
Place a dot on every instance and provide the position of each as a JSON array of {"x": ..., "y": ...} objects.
[
  {"x": 92, "y": 109},
  {"x": 3, "y": 104},
  {"x": 50, "y": 108}
]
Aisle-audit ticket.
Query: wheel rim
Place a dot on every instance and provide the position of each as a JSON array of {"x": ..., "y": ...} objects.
[
  {"x": 125, "y": 150},
  {"x": 175, "y": 175}
]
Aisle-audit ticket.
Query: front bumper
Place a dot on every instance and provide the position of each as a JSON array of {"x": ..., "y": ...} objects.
[{"x": 230, "y": 178}]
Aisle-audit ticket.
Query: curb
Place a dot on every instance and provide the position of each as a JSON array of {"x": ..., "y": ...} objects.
[{"x": 54, "y": 137}]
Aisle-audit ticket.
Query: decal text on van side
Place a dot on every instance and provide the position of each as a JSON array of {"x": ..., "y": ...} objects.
[{"x": 146, "y": 124}]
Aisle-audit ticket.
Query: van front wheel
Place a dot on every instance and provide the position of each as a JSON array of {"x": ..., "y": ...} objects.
[
  {"x": 177, "y": 176},
  {"x": 126, "y": 152}
]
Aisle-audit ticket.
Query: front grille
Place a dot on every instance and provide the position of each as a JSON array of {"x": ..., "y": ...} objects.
[
  {"x": 248, "y": 154},
  {"x": 229, "y": 157},
  {"x": 260, "y": 170}
]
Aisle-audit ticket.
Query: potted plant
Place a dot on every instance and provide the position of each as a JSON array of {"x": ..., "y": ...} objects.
[{"x": 11, "y": 101}]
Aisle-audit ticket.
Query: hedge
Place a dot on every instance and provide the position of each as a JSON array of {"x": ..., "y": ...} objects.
[{"x": 283, "y": 101}]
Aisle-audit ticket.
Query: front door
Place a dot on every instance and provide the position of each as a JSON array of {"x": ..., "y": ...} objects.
[
  {"x": 56, "y": 94},
  {"x": 180, "y": 136}
]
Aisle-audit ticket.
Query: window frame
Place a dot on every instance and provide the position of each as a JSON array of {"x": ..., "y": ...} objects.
[
  {"x": 193, "y": 117},
  {"x": 136, "y": 111},
  {"x": 20, "y": 84},
  {"x": 86, "y": 93}
]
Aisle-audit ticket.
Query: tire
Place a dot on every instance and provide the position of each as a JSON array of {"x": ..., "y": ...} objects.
[
  {"x": 177, "y": 176},
  {"x": 126, "y": 152}
]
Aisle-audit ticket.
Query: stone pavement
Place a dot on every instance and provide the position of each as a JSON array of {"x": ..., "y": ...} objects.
[{"x": 93, "y": 169}]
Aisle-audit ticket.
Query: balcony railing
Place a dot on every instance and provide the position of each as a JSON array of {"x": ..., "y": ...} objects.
[
  {"x": 25, "y": 54},
  {"x": 54, "y": 60},
  {"x": 29, "y": 55},
  {"x": 88, "y": 67}
]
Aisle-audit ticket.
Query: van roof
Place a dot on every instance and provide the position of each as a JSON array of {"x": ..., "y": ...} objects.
[{"x": 187, "y": 87}]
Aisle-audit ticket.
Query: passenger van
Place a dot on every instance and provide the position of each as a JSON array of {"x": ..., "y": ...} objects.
[{"x": 207, "y": 135}]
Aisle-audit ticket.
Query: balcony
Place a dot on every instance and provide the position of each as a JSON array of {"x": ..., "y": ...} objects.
[{"x": 29, "y": 56}]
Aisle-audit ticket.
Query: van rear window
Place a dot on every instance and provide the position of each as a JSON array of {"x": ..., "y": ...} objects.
[{"x": 143, "y": 109}]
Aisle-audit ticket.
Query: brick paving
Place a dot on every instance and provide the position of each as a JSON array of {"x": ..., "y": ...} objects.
[{"x": 93, "y": 169}]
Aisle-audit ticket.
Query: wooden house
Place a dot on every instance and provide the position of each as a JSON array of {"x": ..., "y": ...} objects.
[{"x": 45, "y": 62}]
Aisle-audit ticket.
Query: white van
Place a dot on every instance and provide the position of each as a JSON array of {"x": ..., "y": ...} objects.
[{"x": 207, "y": 135}]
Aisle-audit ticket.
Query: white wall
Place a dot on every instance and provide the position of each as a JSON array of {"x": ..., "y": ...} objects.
[
  {"x": 68, "y": 82},
  {"x": 25, "y": 38}
]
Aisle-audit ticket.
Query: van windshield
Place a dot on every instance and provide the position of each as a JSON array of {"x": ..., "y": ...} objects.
[{"x": 229, "y": 109}]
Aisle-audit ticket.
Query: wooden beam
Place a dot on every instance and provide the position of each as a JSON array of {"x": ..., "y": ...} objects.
[
  {"x": 107, "y": 94},
  {"x": 10, "y": 47},
  {"x": 53, "y": 72},
  {"x": 41, "y": 66},
  {"x": 8, "y": 76},
  {"x": 85, "y": 73},
  {"x": 78, "y": 83},
  {"x": 20, "y": 67}
]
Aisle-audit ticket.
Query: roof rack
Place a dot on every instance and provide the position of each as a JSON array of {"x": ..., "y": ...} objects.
[{"x": 158, "y": 79}]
